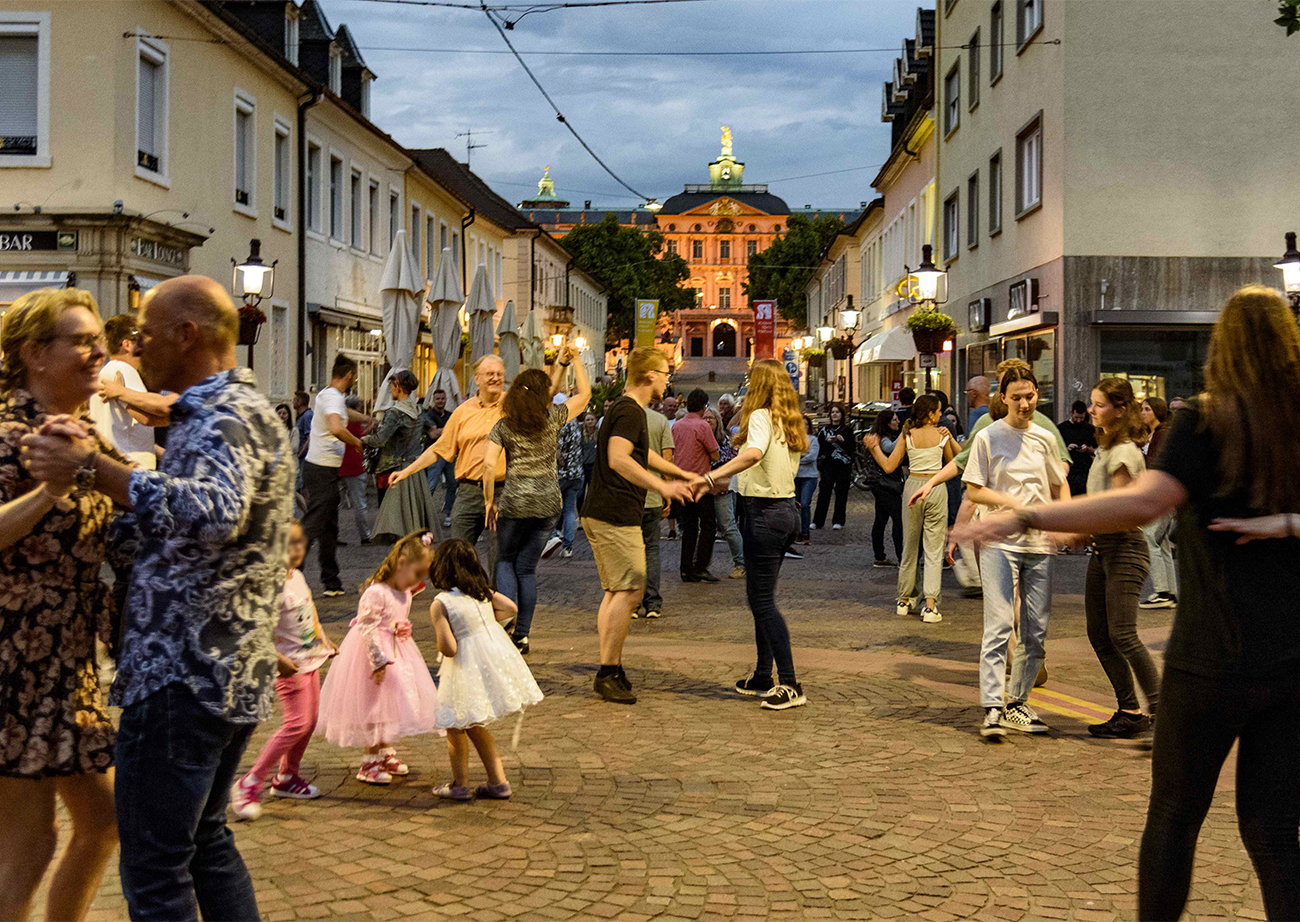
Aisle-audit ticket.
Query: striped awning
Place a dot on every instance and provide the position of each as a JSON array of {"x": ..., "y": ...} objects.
[{"x": 14, "y": 285}]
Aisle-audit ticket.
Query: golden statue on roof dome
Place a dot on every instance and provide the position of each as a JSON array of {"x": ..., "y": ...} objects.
[{"x": 726, "y": 141}]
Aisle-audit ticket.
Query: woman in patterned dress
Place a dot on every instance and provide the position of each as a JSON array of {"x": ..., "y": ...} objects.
[{"x": 55, "y": 737}]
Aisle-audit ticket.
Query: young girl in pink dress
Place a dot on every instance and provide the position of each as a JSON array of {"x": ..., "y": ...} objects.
[
  {"x": 379, "y": 688},
  {"x": 303, "y": 648}
]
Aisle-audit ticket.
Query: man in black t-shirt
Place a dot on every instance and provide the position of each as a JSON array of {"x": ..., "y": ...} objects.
[
  {"x": 611, "y": 514},
  {"x": 1081, "y": 438}
]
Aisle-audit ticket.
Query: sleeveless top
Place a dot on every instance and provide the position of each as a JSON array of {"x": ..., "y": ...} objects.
[
  {"x": 466, "y": 616},
  {"x": 925, "y": 462}
]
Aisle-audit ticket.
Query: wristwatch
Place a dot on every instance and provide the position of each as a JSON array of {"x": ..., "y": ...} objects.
[{"x": 84, "y": 479}]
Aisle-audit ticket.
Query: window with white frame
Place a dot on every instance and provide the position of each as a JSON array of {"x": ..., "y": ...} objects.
[
  {"x": 724, "y": 299},
  {"x": 430, "y": 247},
  {"x": 724, "y": 249},
  {"x": 973, "y": 84},
  {"x": 997, "y": 35},
  {"x": 336, "y": 197},
  {"x": 279, "y": 350},
  {"x": 417, "y": 221},
  {"x": 283, "y": 171},
  {"x": 394, "y": 216},
  {"x": 25, "y": 100},
  {"x": 672, "y": 247},
  {"x": 697, "y": 249},
  {"x": 951, "y": 228},
  {"x": 336, "y": 69},
  {"x": 952, "y": 99},
  {"x": 995, "y": 193},
  {"x": 354, "y": 201},
  {"x": 442, "y": 237},
  {"x": 1029, "y": 19},
  {"x": 1029, "y": 165},
  {"x": 455, "y": 254},
  {"x": 973, "y": 210},
  {"x": 365, "y": 94},
  {"x": 373, "y": 203},
  {"x": 291, "y": 32},
  {"x": 313, "y": 186},
  {"x": 245, "y": 151},
  {"x": 151, "y": 109}
]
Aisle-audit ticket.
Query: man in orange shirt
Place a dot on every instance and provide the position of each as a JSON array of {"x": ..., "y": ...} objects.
[{"x": 463, "y": 439}]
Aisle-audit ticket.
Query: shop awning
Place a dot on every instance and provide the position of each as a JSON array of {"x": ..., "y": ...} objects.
[
  {"x": 1027, "y": 322},
  {"x": 1128, "y": 318},
  {"x": 894, "y": 345},
  {"x": 14, "y": 285}
]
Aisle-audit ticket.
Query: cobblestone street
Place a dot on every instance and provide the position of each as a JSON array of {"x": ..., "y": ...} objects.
[{"x": 877, "y": 800}]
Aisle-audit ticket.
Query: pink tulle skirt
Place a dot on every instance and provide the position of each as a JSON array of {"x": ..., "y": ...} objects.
[{"x": 354, "y": 711}]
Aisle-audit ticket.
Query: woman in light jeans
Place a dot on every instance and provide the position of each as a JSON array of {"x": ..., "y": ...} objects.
[
  {"x": 724, "y": 498},
  {"x": 805, "y": 484},
  {"x": 1160, "y": 533},
  {"x": 927, "y": 449}
]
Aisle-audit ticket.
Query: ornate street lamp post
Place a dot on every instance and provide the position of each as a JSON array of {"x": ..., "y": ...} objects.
[{"x": 253, "y": 281}]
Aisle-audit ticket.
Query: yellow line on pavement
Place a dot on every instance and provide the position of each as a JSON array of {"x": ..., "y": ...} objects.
[
  {"x": 1040, "y": 704},
  {"x": 1068, "y": 699}
]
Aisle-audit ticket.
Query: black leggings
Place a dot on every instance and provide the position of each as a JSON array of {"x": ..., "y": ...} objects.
[
  {"x": 1200, "y": 718},
  {"x": 889, "y": 505},
  {"x": 836, "y": 478}
]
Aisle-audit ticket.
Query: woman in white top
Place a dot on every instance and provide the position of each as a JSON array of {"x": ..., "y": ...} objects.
[
  {"x": 1118, "y": 568},
  {"x": 1014, "y": 463},
  {"x": 770, "y": 437},
  {"x": 927, "y": 449}
]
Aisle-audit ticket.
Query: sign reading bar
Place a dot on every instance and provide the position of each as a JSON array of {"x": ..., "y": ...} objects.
[
  {"x": 647, "y": 318},
  {"x": 25, "y": 241},
  {"x": 764, "y": 330}
]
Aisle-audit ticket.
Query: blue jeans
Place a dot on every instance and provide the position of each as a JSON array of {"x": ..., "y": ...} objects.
[
  {"x": 446, "y": 471},
  {"x": 175, "y": 765},
  {"x": 1002, "y": 571},
  {"x": 519, "y": 547},
  {"x": 804, "y": 487},
  {"x": 768, "y": 527},
  {"x": 569, "y": 489},
  {"x": 724, "y": 514}
]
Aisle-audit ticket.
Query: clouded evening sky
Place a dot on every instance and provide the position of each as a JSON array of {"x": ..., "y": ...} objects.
[{"x": 654, "y": 120}]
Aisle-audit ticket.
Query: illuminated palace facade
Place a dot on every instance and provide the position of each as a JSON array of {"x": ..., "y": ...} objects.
[{"x": 715, "y": 227}]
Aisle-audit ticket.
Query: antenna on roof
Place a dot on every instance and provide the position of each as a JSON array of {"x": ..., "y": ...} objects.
[{"x": 468, "y": 135}]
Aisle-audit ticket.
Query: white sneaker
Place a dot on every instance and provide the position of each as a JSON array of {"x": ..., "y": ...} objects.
[
  {"x": 931, "y": 615},
  {"x": 551, "y": 547},
  {"x": 566, "y": 553},
  {"x": 992, "y": 725},
  {"x": 246, "y": 797},
  {"x": 837, "y": 527},
  {"x": 904, "y": 608}
]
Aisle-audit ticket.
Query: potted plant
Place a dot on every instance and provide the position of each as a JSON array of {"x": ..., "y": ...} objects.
[
  {"x": 251, "y": 319},
  {"x": 840, "y": 346},
  {"x": 929, "y": 330},
  {"x": 816, "y": 358},
  {"x": 551, "y": 356}
]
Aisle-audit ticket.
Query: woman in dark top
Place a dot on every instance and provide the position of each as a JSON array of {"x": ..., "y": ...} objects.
[
  {"x": 1232, "y": 667},
  {"x": 407, "y": 506},
  {"x": 837, "y": 447},
  {"x": 887, "y": 491},
  {"x": 1160, "y": 533}
]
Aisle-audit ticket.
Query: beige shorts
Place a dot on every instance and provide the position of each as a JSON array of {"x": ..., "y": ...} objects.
[{"x": 620, "y": 554}]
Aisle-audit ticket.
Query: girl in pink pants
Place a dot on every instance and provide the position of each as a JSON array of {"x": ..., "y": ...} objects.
[{"x": 303, "y": 649}]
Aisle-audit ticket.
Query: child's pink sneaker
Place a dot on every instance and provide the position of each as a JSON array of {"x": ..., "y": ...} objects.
[
  {"x": 295, "y": 787},
  {"x": 246, "y": 797},
  {"x": 372, "y": 772},
  {"x": 392, "y": 764}
]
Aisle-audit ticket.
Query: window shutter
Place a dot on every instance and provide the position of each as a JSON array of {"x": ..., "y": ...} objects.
[
  {"x": 18, "y": 76},
  {"x": 147, "y": 104},
  {"x": 241, "y": 151}
]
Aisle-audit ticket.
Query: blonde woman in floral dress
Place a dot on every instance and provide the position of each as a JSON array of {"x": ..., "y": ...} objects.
[{"x": 55, "y": 737}]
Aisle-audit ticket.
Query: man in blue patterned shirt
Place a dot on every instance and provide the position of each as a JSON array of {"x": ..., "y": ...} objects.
[{"x": 198, "y": 663}]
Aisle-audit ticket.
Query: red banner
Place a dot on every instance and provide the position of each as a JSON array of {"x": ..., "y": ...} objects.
[{"x": 764, "y": 330}]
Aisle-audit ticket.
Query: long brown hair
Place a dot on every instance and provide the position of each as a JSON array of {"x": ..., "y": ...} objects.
[
  {"x": 1252, "y": 399},
  {"x": 528, "y": 402},
  {"x": 770, "y": 389},
  {"x": 456, "y": 566},
  {"x": 922, "y": 408},
  {"x": 415, "y": 546},
  {"x": 1129, "y": 427}
]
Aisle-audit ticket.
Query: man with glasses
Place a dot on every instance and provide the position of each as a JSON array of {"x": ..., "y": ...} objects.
[
  {"x": 611, "y": 515},
  {"x": 977, "y": 401}
]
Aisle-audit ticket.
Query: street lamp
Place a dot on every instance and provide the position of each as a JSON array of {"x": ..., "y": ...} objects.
[
  {"x": 557, "y": 340},
  {"x": 1290, "y": 266},
  {"x": 252, "y": 281},
  {"x": 929, "y": 277},
  {"x": 824, "y": 333},
  {"x": 580, "y": 343}
]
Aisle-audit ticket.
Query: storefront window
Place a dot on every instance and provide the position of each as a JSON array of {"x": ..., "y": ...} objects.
[
  {"x": 1039, "y": 350},
  {"x": 1157, "y": 362},
  {"x": 368, "y": 351}
]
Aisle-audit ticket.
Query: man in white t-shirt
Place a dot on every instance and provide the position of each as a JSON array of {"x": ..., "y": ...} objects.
[
  {"x": 320, "y": 470},
  {"x": 126, "y": 428}
]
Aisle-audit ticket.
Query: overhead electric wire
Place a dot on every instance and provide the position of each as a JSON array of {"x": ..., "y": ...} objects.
[{"x": 775, "y": 52}]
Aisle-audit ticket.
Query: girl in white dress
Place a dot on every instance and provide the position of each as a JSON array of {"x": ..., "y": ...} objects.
[{"x": 483, "y": 678}]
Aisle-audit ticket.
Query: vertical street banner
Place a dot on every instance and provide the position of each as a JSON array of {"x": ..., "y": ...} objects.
[
  {"x": 647, "y": 317},
  {"x": 764, "y": 330}
]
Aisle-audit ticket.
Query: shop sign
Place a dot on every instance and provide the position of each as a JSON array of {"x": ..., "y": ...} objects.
[
  {"x": 977, "y": 315},
  {"x": 27, "y": 241},
  {"x": 764, "y": 330},
  {"x": 928, "y": 360},
  {"x": 647, "y": 318},
  {"x": 158, "y": 252},
  {"x": 1024, "y": 298}
]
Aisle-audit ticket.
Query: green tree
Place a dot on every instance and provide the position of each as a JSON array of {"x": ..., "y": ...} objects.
[
  {"x": 781, "y": 272},
  {"x": 1289, "y": 16},
  {"x": 632, "y": 264}
]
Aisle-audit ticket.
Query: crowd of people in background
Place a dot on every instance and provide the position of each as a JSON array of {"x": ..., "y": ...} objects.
[{"x": 209, "y": 619}]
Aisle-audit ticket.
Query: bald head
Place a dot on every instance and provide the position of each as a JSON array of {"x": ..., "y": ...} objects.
[
  {"x": 977, "y": 392},
  {"x": 490, "y": 376},
  {"x": 199, "y": 300}
]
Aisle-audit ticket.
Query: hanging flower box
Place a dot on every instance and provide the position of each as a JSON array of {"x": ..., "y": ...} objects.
[
  {"x": 841, "y": 347},
  {"x": 930, "y": 330},
  {"x": 250, "y": 324},
  {"x": 816, "y": 358}
]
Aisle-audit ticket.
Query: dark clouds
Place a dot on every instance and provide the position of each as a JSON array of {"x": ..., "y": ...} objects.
[{"x": 654, "y": 120}]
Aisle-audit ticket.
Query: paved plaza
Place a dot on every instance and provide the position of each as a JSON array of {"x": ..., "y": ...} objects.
[{"x": 877, "y": 800}]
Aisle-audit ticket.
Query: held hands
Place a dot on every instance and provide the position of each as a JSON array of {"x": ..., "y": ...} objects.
[
  {"x": 568, "y": 354},
  {"x": 378, "y": 675},
  {"x": 397, "y": 477},
  {"x": 681, "y": 490},
  {"x": 490, "y": 517},
  {"x": 993, "y": 527},
  {"x": 57, "y": 451},
  {"x": 1285, "y": 525},
  {"x": 871, "y": 440}
]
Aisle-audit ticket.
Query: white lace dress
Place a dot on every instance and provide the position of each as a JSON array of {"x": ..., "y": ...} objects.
[{"x": 487, "y": 679}]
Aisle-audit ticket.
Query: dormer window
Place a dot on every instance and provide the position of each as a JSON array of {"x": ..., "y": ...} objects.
[
  {"x": 366, "y": 77},
  {"x": 336, "y": 70},
  {"x": 291, "y": 32}
]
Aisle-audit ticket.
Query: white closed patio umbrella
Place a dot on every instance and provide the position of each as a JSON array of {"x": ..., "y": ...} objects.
[
  {"x": 531, "y": 344},
  {"x": 481, "y": 308},
  {"x": 399, "y": 294},
  {"x": 508, "y": 341},
  {"x": 445, "y": 298}
]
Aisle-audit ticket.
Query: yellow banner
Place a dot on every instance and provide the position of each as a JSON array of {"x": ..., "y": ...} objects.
[{"x": 647, "y": 318}]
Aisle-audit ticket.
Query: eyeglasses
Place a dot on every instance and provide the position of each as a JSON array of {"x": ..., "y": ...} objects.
[
  {"x": 663, "y": 371},
  {"x": 84, "y": 342}
]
